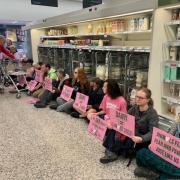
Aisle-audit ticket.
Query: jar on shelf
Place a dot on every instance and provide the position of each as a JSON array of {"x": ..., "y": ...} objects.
[
  {"x": 178, "y": 33},
  {"x": 173, "y": 53},
  {"x": 175, "y": 14}
]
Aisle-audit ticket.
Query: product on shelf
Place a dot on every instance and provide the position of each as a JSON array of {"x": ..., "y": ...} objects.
[
  {"x": 178, "y": 33},
  {"x": 101, "y": 71},
  {"x": 90, "y": 28},
  {"x": 173, "y": 75},
  {"x": 173, "y": 53},
  {"x": 175, "y": 14},
  {"x": 167, "y": 72}
]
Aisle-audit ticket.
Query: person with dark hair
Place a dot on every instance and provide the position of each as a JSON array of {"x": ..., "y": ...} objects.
[
  {"x": 51, "y": 72},
  {"x": 79, "y": 84},
  {"x": 146, "y": 118},
  {"x": 47, "y": 96},
  {"x": 152, "y": 166},
  {"x": 95, "y": 97}
]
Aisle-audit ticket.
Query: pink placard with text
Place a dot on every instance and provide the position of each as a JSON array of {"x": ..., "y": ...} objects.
[
  {"x": 66, "y": 93},
  {"x": 31, "y": 85},
  {"x": 48, "y": 84},
  {"x": 81, "y": 102},
  {"x": 166, "y": 146},
  {"x": 21, "y": 80},
  {"x": 39, "y": 76},
  {"x": 123, "y": 123},
  {"x": 97, "y": 127}
]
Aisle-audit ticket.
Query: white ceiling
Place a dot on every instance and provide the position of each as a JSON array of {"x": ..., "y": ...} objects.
[{"x": 18, "y": 11}]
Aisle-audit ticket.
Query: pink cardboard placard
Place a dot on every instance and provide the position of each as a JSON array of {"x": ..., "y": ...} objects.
[
  {"x": 97, "y": 127},
  {"x": 166, "y": 146},
  {"x": 48, "y": 84},
  {"x": 66, "y": 93},
  {"x": 81, "y": 102},
  {"x": 123, "y": 123},
  {"x": 39, "y": 76},
  {"x": 22, "y": 80},
  {"x": 31, "y": 85}
]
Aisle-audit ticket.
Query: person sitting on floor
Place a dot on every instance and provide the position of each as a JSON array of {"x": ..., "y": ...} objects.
[
  {"x": 49, "y": 72},
  {"x": 146, "y": 118},
  {"x": 95, "y": 97},
  {"x": 152, "y": 166},
  {"x": 79, "y": 84},
  {"x": 47, "y": 96}
]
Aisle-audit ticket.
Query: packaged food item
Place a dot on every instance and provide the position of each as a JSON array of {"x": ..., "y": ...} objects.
[
  {"x": 167, "y": 72},
  {"x": 90, "y": 28},
  {"x": 173, "y": 75},
  {"x": 175, "y": 14},
  {"x": 115, "y": 26},
  {"x": 145, "y": 23},
  {"x": 173, "y": 53},
  {"x": 178, "y": 33}
]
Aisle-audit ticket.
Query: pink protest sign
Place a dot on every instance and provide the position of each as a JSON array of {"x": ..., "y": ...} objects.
[
  {"x": 32, "y": 100},
  {"x": 21, "y": 80},
  {"x": 81, "y": 102},
  {"x": 39, "y": 76},
  {"x": 66, "y": 93},
  {"x": 48, "y": 84},
  {"x": 97, "y": 127},
  {"x": 31, "y": 85},
  {"x": 166, "y": 146},
  {"x": 123, "y": 123}
]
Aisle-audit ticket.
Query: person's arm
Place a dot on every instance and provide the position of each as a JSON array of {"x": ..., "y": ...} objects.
[{"x": 6, "y": 52}]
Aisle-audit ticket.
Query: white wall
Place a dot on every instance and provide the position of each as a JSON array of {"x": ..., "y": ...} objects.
[{"x": 24, "y": 11}]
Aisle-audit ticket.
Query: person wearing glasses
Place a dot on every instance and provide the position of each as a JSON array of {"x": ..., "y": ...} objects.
[
  {"x": 79, "y": 84},
  {"x": 146, "y": 118}
]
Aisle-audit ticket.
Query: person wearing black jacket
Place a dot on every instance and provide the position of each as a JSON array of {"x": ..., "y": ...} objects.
[
  {"x": 47, "y": 96},
  {"x": 95, "y": 97},
  {"x": 146, "y": 118},
  {"x": 79, "y": 84}
]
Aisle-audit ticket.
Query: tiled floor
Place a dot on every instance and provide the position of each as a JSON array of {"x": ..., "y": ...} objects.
[{"x": 41, "y": 144}]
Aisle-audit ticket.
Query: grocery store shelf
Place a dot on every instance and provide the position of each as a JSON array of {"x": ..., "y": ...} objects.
[
  {"x": 100, "y": 34},
  {"x": 101, "y": 48},
  {"x": 174, "y": 100},
  {"x": 173, "y": 23},
  {"x": 173, "y": 43},
  {"x": 167, "y": 116},
  {"x": 173, "y": 81},
  {"x": 172, "y": 62}
]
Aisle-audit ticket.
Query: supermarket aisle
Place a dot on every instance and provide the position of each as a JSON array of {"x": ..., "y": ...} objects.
[{"x": 42, "y": 144}]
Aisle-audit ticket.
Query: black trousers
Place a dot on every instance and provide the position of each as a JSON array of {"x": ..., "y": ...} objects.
[{"x": 119, "y": 147}]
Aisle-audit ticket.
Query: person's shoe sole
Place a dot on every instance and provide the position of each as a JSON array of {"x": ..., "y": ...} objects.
[{"x": 106, "y": 161}]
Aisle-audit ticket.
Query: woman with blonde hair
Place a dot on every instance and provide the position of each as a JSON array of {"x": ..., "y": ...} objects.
[{"x": 79, "y": 84}]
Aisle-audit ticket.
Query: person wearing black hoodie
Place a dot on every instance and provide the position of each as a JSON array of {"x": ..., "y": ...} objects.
[{"x": 95, "y": 97}]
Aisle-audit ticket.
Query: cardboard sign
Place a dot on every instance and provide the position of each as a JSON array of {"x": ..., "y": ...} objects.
[
  {"x": 48, "y": 84},
  {"x": 97, "y": 127},
  {"x": 123, "y": 123},
  {"x": 22, "y": 80},
  {"x": 31, "y": 85},
  {"x": 66, "y": 93},
  {"x": 32, "y": 100},
  {"x": 166, "y": 146},
  {"x": 39, "y": 76},
  {"x": 81, "y": 102}
]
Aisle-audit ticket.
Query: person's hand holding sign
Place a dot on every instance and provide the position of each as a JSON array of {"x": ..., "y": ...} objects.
[{"x": 137, "y": 139}]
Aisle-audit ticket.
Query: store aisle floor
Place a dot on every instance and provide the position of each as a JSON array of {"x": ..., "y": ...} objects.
[{"x": 40, "y": 144}]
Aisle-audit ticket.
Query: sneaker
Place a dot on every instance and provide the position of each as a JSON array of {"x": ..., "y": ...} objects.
[
  {"x": 109, "y": 157},
  {"x": 53, "y": 106},
  {"x": 39, "y": 105},
  {"x": 144, "y": 172},
  {"x": 75, "y": 114}
]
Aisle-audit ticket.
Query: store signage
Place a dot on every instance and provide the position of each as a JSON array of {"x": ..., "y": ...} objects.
[
  {"x": 167, "y": 2},
  {"x": 123, "y": 123},
  {"x": 89, "y": 3},
  {"x": 81, "y": 102},
  {"x": 53, "y": 3},
  {"x": 66, "y": 93},
  {"x": 97, "y": 127},
  {"x": 166, "y": 146}
]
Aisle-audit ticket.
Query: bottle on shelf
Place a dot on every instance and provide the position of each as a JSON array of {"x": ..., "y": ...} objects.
[{"x": 173, "y": 53}]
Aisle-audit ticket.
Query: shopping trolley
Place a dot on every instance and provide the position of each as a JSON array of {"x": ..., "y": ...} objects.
[{"x": 6, "y": 74}]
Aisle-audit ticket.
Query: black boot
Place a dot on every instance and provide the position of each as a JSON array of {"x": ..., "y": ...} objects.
[
  {"x": 40, "y": 105},
  {"x": 147, "y": 173},
  {"x": 109, "y": 157}
]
